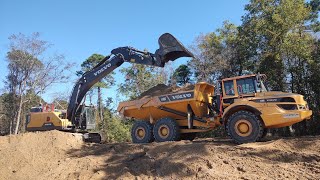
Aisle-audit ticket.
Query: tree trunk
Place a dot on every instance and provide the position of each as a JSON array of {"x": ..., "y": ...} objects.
[
  {"x": 10, "y": 127},
  {"x": 18, "y": 116},
  {"x": 100, "y": 109},
  {"x": 100, "y": 112}
]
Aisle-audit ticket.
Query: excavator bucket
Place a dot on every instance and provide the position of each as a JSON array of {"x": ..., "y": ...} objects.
[{"x": 170, "y": 49}]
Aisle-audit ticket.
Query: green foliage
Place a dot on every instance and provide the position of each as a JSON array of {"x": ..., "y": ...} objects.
[
  {"x": 140, "y": 78},
  {"x": 117, "y": 130},
  {"x": 9, "y": 108},
  {"x": 182, "y": 75},
  {"x": 272, "y": 24}
]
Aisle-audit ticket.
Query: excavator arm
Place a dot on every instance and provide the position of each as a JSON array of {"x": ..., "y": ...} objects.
[{"x": 169, "y": 50}]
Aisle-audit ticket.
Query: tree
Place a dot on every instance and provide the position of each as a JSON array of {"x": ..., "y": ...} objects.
[
  {"x": 270, "y": 23},
  {"x": 30, "y": 73},
  {"x": 140, "y": 78},
  {"x": 106, "y": 82},
  {"x": 6, "y": 112},
  {"x": 284, "y": 43},
  {"x": 222, "y": 53},
  {"x": 182, "y": 75}
]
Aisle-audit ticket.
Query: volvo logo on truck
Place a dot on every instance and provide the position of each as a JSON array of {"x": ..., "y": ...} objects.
[
  {"x": 102, "y": 69},
  {"x": 176, "y": 97}
]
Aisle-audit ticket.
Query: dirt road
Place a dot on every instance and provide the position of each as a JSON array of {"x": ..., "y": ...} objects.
[{"x": 58, "y": 155}]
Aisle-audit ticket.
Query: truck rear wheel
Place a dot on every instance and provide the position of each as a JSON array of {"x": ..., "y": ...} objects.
[
  {"x": 141, "y": 132},
  {"x": 244, "y": 127},
  {"x": 166, "y": 129}
]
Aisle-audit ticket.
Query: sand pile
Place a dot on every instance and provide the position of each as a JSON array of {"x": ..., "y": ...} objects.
[
  {"x": 26, "y": 155},
  {"x": 161, "y": 89},
  {"x": 58, "y": 155}
]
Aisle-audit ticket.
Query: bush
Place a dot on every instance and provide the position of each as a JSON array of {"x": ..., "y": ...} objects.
[{"x": 118, "y": 130}]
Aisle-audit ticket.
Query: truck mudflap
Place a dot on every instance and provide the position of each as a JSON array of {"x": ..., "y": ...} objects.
[{"x": 92, "y": 137}]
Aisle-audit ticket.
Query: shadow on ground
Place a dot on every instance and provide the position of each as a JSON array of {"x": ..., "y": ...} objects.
[{"x": 146, "y": 160}]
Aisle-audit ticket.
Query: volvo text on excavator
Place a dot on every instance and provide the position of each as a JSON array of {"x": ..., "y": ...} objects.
[{"x": 80, "y": 118}]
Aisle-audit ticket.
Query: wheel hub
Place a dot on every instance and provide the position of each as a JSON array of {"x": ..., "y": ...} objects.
[
  {"x": 243, "y": 127},
  {"x": 163, "y": 131},
  {"x": 140, "y": 133}
]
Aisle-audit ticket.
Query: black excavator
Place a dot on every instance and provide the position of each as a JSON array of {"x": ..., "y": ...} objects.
[{"x": 81, "y": 118}]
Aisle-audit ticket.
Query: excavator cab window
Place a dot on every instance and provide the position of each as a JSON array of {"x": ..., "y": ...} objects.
[
  {"x": 89, "y": 113},
  {"x": 36, "y": 109}
]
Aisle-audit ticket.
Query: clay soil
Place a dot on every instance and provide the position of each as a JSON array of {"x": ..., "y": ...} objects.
[
  {"x": 161, "y": 89},
  {"x": 61, "y": 155}
]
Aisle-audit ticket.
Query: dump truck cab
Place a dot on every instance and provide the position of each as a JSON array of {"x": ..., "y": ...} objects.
[
  {"x": 249, "y": 107},
  {"x": 242, "y": 87}
]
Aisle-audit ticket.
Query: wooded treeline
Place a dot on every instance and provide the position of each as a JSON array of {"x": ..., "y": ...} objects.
[{"x": 278, "y": 38}]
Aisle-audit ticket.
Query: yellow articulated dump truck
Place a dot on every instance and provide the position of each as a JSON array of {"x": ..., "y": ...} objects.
[{"x": 243, "y": 104}]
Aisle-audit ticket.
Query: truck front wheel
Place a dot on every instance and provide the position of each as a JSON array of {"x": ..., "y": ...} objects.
[
  {"x": 244, "y": 127},
  {"x": 141, "y": 132}
]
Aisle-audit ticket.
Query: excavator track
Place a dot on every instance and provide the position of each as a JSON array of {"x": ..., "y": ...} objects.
[{"x": 92, "y": 137}]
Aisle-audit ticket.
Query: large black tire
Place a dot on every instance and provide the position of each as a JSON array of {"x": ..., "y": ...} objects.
[
  {"x": 244, "y": 127},
  {"x": 188, "y": 136},
  {"x": 141, "y": 132},
  {"x": 166, "y": 129}
]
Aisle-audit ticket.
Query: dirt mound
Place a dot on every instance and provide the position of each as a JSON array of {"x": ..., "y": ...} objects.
[
  {"x": 25, "y": 155},
  {"x": 58, "y": 155},
  {"x": 288, "y": 145},
  {"x": 161, "y": 89}
]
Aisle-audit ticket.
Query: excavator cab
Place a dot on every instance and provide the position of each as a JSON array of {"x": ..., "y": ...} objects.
[
  {"x": 170, "y": 49},
  {"x": 85, "y": 117}
]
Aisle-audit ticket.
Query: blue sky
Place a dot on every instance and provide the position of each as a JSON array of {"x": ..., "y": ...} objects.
[{"x": 79, "y": 28}]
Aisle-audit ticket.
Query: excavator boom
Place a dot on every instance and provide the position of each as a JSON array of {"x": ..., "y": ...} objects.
[{"x": 170, "y": 49}]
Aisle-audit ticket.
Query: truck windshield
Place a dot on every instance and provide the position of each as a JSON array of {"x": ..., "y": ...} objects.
[{"x": 246, "y": 86}]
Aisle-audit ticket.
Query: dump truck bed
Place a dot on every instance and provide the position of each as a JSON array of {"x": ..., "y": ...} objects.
[{"x": 152, "y": 107}]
